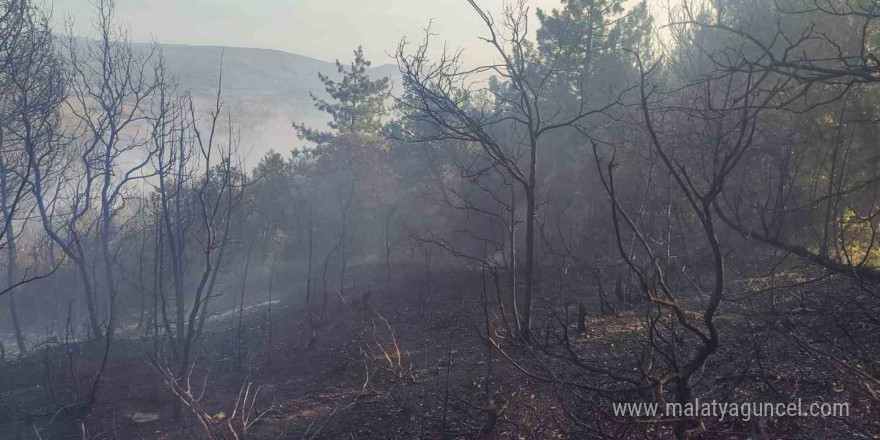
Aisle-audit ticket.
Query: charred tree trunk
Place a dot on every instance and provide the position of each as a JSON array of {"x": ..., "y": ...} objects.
[
  {"x": 388, "y": 217},
  {"x": 582, "y": 319},
  {"x": 12, "y": 264},
  {"x": 324, "y": 278},
  {"x": 239, "y": 342},
  {"x": 309, "y": 269}
]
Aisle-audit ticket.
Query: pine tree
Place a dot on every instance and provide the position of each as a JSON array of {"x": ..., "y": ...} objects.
[
  {"x": 589, "y": 37},
  {"x": 358, "y": 103}
]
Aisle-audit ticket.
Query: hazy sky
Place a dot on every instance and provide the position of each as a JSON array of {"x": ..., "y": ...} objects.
[{"x": 323, "y": 29}]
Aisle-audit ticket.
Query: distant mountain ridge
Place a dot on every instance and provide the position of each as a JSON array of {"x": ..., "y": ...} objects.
[{"x": 265, "y": 89}]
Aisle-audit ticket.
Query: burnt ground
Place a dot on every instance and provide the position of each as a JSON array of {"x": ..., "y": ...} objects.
[{"x": 351, "y": 383}]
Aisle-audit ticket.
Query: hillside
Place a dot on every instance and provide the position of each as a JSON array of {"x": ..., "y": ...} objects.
[{"x": 265, "y": 89}]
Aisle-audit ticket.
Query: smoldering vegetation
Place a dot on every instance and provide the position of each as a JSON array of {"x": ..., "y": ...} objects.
[{"x": 629, "y": 205}]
